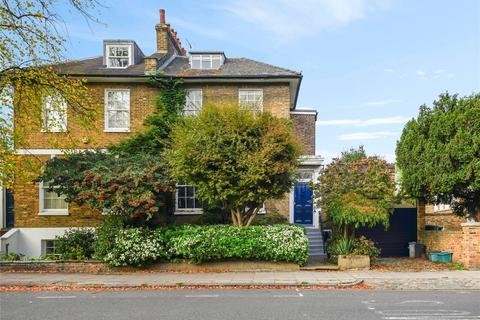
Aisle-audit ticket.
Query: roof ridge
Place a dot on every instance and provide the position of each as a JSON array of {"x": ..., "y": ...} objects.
[{"x": 268, "y": 64}]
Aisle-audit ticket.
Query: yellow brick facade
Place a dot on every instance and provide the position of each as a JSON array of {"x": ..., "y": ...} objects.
[{"x": 276, "y": 99}]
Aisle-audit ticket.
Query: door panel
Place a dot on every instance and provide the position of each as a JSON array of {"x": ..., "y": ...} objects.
[{"x": 302, "y": 204}]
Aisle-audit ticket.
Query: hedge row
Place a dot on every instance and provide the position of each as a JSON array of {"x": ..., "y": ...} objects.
[{"x": 139, "y": 246}]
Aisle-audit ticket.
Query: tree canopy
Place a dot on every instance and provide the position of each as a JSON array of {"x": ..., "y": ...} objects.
[
  {"x": 235, "y": 159},
  {"x": 355, "y": 190},
  {"x": 439, "y": 154},
  {"x": 32, "y": 48}
]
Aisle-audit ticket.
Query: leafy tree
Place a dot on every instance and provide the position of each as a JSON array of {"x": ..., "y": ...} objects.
[
  {"x": 32, "y": 45},
  {"x": 235, "y": 159},
  {"x": 439, "y": 154},
  {"x": 355, "y": 190},
  {"x": 135, "y": 186}
]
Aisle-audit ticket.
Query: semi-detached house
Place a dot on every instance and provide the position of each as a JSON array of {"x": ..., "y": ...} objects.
[{"x": 118, "y": 81}]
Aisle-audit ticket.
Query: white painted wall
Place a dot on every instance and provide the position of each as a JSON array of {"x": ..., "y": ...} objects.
[
  {"x": 9, "y": 239},
  {"x": 28, "y": 241}
]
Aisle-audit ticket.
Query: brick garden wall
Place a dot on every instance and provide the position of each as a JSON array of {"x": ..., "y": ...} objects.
[
  {"x": 471, "y": 246},
  {"x": 462, "y": 239}
]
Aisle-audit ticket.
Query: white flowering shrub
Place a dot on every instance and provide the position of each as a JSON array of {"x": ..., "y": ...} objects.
[
  {"x": 268, "y": 243},
  {"x": 136, "y": 247}
]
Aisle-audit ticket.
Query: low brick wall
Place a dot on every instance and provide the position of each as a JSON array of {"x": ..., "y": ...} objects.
[
  {"x": 471, "y": 245},
  {"x": 450, "y": 241},
  {"x": 54, "y": 266},
  {"x": 181, "y": 266}
]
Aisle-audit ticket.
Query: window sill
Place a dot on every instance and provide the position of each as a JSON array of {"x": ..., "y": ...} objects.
[
  {"x": 117, "y": 130},
  {"x": 53, "y": 213},
  {"x": 188, "y": 212}
]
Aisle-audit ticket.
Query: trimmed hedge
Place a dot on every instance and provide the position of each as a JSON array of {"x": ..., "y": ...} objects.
[
  {"x": 270, "y": 243},
  {"x": 137, "y": 246}
]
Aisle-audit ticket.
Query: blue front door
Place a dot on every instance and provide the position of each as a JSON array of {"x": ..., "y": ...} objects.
[{"x": 302, "y": 204}]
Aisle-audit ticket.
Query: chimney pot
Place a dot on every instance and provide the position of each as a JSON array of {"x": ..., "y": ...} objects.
[{"x": 162, "y": 16}]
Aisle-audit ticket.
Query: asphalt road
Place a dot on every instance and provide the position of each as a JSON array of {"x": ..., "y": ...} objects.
[{"x": 226, "y": 304}]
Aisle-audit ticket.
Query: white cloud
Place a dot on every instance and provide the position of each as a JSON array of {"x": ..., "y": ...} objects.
[
  {"x": 288, "y": 19},
  {"x": 382, "y": 102},
  {"x": 389, "y": 70},
  {"x": 439, "y": 71},
  {"x": 421, "y": 73},
  {"x": 363, "y": 123},
  {"x": 367, "y": 135}
]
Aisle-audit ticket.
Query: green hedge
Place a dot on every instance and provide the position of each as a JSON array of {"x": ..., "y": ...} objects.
[
  {"x": 137, "y": 246},
  {"x": 269, "y": 243}
]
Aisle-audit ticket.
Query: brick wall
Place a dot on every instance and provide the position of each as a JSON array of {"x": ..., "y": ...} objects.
[
  {"x": 443, "y": 241},
  {"x": 27, "y": 203},
  {"x": 471, "y": 246},
  {"x": 276, "y": 100},
  {"x": 462, "y": 239},
  {"x": 304, "y": 128}
]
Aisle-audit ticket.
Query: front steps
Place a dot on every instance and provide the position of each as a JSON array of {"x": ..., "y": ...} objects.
[{"x": 316, "y": 246}]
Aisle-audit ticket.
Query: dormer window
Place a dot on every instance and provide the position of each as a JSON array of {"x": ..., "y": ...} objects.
[
  {"x": 206, "y": 60},
  {"x": 118, "y": 56}
]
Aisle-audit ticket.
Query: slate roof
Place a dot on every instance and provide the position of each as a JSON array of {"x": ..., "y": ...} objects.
[{"x": 179, "y": 67}]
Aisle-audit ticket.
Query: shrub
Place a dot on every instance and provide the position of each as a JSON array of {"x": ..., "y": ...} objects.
[
  {"x": 75, "y": 244},
  {"x": 11, "y": 256},
  {"x": 270, "y": 243},
  {"x": 346, "y": 246},
  {"x": 136, "y": 247},
  {"x": 106, "y": 233},
  {"x": 340, "y": 246},
  {"x": 270, "y": 219},
  {"x": 364, "y": 246}
]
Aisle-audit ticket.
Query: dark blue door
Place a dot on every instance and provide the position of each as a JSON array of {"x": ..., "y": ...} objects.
[
  {"x": 9, "y": 206},
  {"x": 302, "y": 204}
]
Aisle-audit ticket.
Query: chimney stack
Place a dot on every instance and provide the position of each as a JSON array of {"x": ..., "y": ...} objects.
[
  {"x": 167, "y": 39},
  {"x": 162, "y": 16}
]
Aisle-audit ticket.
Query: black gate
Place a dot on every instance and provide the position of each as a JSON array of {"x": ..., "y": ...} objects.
[
  {"x": 9, "y": 219},
  {"x": 394, "y": 241}
]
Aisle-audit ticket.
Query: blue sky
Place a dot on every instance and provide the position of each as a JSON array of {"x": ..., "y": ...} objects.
[{"x": 368, "y": 65}]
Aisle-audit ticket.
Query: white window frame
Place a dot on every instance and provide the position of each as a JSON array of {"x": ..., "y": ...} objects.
[
  {"x": 105, "y": 111},
  {"x": 240, "y": 91},
  {"x": 44, "y": 247},
  {"x": 41, "y": 205},
  {"x": 185, "y": 211},
  {"x": 188, "y": 101},
  {"x": 59, "y": 124},
  {"x": 206, "y": 61},
  {"x": 107, "y": 55}
]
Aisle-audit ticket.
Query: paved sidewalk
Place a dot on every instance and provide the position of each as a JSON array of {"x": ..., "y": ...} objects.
[{"x": 442, "y": 280}]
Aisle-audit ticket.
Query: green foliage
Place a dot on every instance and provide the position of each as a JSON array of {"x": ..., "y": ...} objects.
[
  {"x": 439, "y": 154},
  {"x": 106, "y": 233},
  {"x": 235, "y": 159},
  {"x": 168, "y": 112},
  {"x": 136, "y": 247},
  {"x": 75, "y": 244},
  {"x": 366, "y": 247},
  {"x": 269, "y": 219},
  {"x": 131, "y": 185},
  {"x": 356, "y": 190},
  {"x": 11, "y": 256},
  {"x": 340, "y": 247},
  {"x": 347, "y": 246},
  {"x": 269, "y": 243}
]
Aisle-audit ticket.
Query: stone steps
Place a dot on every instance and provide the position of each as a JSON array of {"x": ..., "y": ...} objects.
[{"x": 316, "y": 246}]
